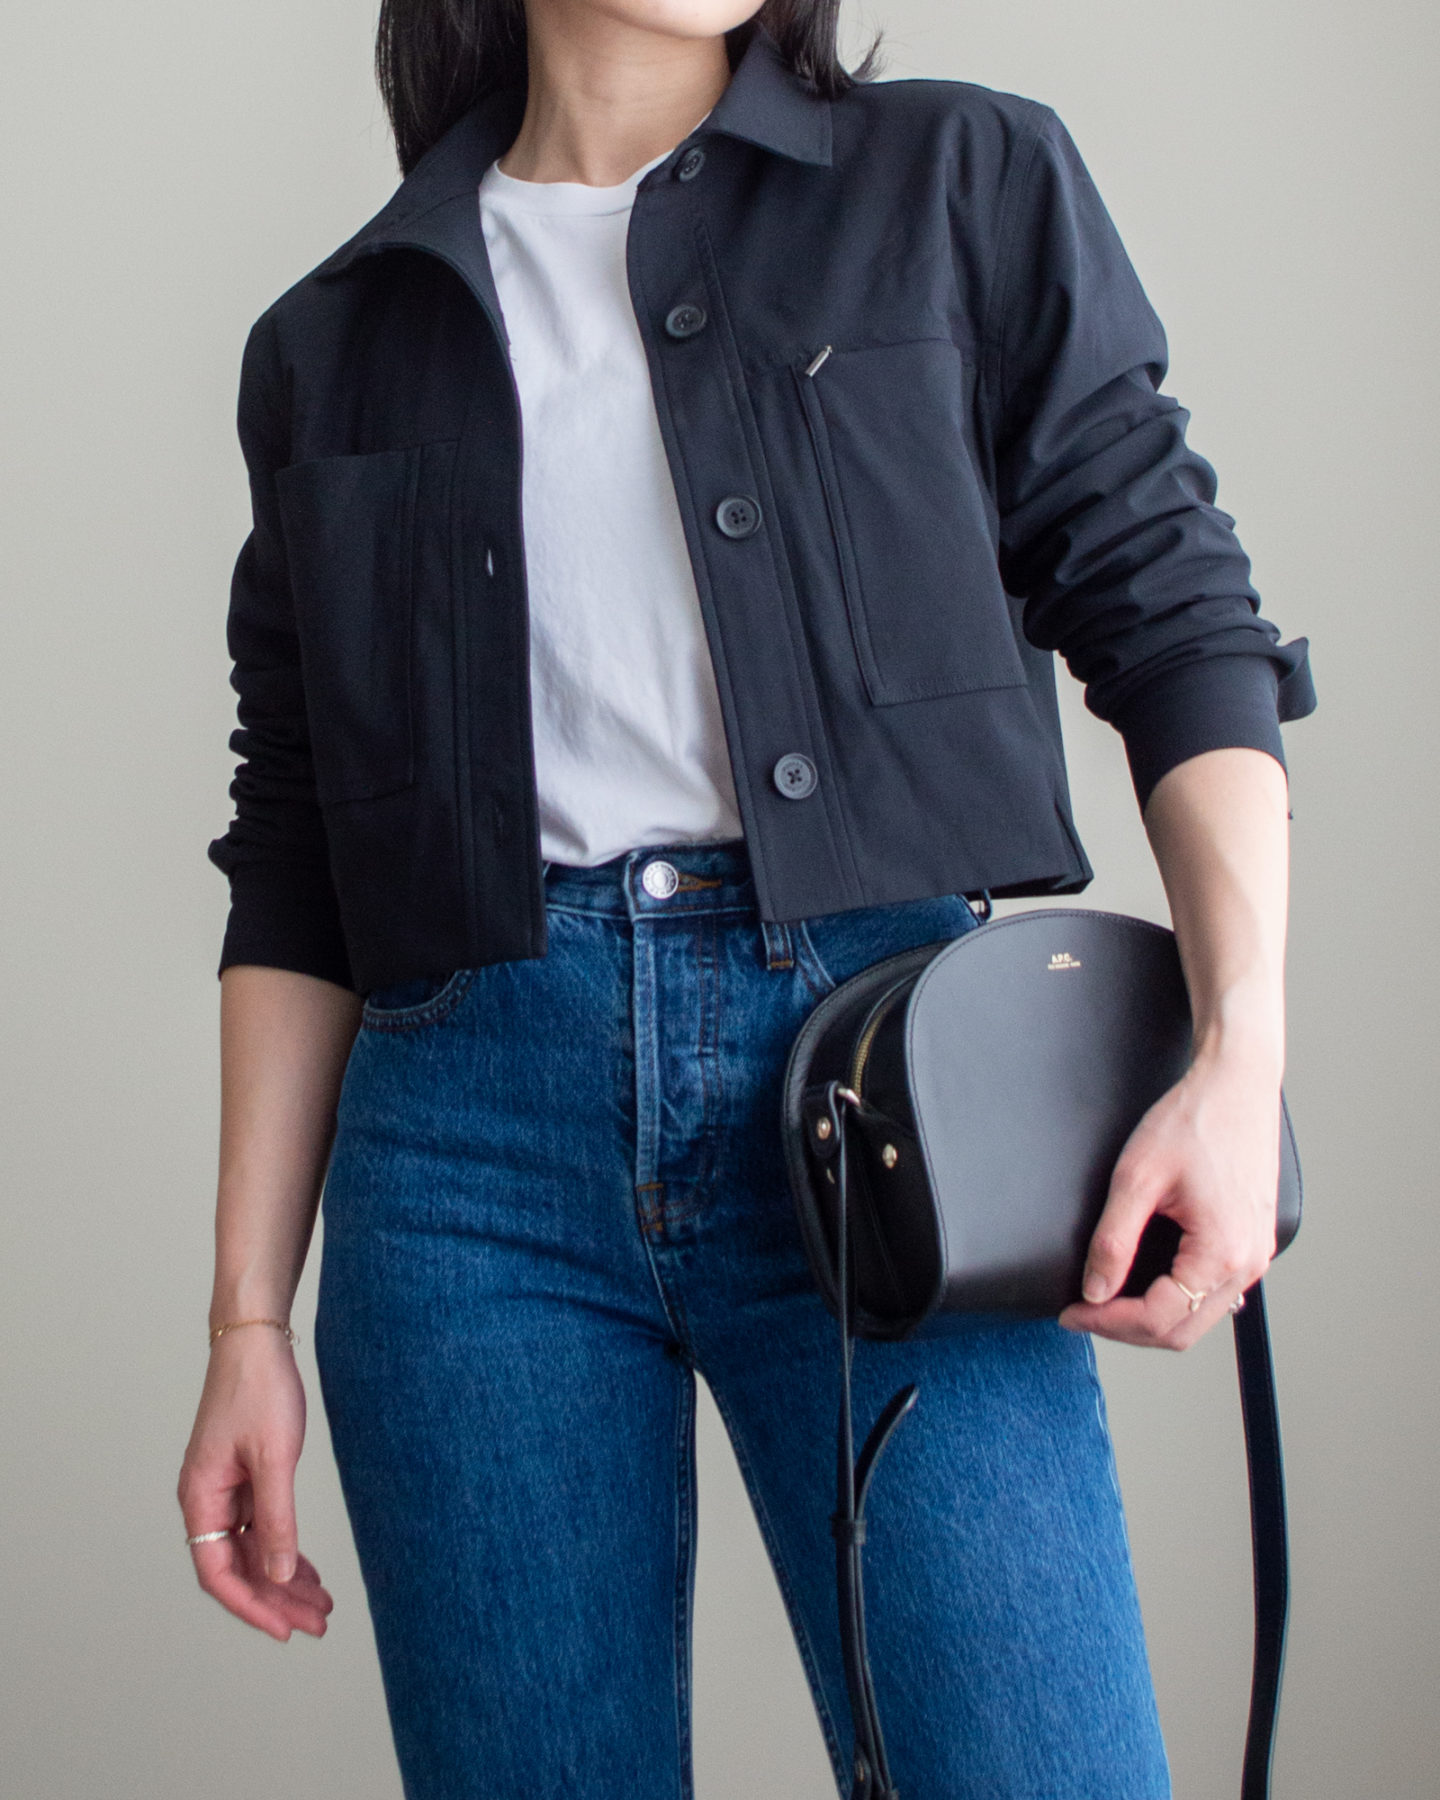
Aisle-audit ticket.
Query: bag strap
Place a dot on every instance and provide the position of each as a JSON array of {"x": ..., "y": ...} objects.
[
  {"x": 847, "y": 1523},
  {"x": 1268, "y": 1534},
  {"x": 1269, "y": 1539}
]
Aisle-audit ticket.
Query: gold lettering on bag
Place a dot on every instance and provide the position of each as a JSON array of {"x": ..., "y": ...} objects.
[{"x": 1062, "y": 959}]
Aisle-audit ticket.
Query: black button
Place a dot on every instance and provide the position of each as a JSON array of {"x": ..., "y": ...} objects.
[
  {"x": 684, "y": 320},
  {"x": 690, "y": 164},
  {"x": 738, "y": 515},
  {"x": 795, "y": 776}
]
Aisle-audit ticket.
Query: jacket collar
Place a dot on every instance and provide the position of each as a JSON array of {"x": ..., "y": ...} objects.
[{"x": 434, "y": 208}]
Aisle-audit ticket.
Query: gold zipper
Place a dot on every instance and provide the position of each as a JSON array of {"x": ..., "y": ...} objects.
[{"x": 862, "y": 1049}]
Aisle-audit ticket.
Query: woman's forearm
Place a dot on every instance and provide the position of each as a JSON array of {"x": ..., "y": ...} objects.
[
  {"x": 1218, "y": 826},
  {"x": 284, "y": 1042}
]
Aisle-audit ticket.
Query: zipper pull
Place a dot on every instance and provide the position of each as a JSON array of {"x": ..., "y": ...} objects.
[{"x": 815, "y": 361}]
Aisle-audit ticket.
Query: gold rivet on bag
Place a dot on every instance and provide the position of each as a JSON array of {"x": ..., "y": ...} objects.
[{"x": 822, "y": 1128}]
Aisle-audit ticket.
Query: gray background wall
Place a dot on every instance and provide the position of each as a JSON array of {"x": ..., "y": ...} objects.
[{"x": 169, "y": 169}]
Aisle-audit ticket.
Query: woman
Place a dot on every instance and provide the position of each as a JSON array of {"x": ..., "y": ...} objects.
[{"x": 561, "y": 804}]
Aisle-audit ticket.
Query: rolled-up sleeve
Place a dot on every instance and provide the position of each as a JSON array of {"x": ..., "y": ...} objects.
[
  {"x": 283, "y": 910},
  {"x": 1109, "y": 532}
]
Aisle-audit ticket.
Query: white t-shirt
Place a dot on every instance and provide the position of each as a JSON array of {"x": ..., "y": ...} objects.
[{"x": 629, "y": 741}]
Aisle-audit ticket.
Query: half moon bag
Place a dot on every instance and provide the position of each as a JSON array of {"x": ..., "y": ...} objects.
[{"x": 951, "y": 1117}]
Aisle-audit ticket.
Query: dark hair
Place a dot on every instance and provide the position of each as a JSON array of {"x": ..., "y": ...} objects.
[{"x": 435, "y": 58}]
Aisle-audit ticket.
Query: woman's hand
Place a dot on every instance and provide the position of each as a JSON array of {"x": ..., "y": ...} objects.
[
  {"x": 240, "y": 1466},
  {"x": 1206, "y": 1155}
]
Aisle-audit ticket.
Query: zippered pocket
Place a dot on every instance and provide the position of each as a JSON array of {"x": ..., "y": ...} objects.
[{"x": 917, "y": 566}]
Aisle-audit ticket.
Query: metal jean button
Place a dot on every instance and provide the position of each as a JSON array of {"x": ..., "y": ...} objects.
[{"x": 659, "y": 878}]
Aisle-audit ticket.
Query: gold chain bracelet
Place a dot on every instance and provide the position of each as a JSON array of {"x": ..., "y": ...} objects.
[{"x": 218, "y": 1331}]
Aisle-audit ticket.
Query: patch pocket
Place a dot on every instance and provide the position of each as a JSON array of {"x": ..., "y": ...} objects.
[
  {"x": 918, "y": 567},
  {"x": 349, "y": 524},
  {"x": 421, "y": 1000}
]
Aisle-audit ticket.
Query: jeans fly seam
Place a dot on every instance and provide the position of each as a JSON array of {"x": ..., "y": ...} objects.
[
  {"x": 708, "y": 1057},
  {"x": 647, "y": 1060},
  {"x": 671, "y": 1304}
]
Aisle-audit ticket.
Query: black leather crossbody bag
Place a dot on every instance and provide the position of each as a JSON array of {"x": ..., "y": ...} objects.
[{"x": 951, "y": 1118}]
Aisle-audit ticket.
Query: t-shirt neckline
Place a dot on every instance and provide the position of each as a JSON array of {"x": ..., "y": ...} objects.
[{"x": 566, "y": 197}]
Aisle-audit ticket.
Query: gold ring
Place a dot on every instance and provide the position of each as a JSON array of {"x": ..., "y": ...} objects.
[
  {"x": 1196, "y": 1300},
  {"x": 213, "y": 1537}
]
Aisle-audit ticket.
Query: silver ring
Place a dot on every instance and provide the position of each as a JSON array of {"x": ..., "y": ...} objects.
[
  {"x": 213, "y": 1537},
  {"x": 1237, "y": 1303},
  {"x": 1196, "y": 1300}
]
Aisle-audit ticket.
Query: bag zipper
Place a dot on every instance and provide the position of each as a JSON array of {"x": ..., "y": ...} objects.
[{"x": 867, "y": 1036}]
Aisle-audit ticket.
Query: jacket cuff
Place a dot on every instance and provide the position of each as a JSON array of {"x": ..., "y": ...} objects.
[
  {"x": 285, "y": 916},
  {"x": 1220, "y": 703}
]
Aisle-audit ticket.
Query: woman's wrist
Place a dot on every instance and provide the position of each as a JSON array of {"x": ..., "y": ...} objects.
[
  {"x": 1250, "y": 1042},
  {"x": 253, "y": 1279},
  {"x": 231, "y": 1303},
  {"x": 224, "y": 1328}
]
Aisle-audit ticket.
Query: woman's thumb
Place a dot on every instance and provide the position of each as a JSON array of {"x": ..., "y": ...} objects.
[{"x": 273, "y": 1485}]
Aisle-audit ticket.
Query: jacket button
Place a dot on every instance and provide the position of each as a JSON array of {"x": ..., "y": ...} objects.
[
  {"x": 684, "y": 320},
  {"x": 738, "y": 515},
  {"x": 795, "y": 776},
  {"x": 690, "y": 164}
]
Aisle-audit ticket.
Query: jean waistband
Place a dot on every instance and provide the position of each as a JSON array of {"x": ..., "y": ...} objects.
[{"x": 658, "y": 879}]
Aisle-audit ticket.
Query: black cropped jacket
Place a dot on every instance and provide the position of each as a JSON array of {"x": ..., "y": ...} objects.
[{"x": 908, "y": 384}]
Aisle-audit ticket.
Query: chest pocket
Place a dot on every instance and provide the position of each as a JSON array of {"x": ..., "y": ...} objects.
[
  {"x": 922, "y": 587},
  {"x": 349, "y": 524}
]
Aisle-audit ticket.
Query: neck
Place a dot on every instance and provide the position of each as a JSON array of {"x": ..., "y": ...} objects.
[{"x": 605, "y": 96}]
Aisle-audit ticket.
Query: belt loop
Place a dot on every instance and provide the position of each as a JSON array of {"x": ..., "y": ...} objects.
[{"x": 779, "y": 949}]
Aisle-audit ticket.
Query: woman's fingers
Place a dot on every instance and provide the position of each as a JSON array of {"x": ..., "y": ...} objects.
[
  {"x": 1129, "y": 1207},
  {"x": 1161, "y": 1318},
  {"x": 233, "y": 1573},
  {"x": 220, "y": 1568},
  {"x": 1221, "y": 1265},
  {"x": 235, "y": 1569}
]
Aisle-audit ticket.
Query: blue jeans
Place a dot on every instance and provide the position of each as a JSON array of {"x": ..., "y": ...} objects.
[{"x": 557, "y": 1192}]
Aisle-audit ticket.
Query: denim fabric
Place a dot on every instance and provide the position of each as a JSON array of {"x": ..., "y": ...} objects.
[{"x": 557, "y": 1192}]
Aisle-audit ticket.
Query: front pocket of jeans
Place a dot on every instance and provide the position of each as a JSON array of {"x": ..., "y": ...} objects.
[
  {"x": 918, "y": 571},
  {"x": 831, "y": 947},
  {"x": 409, "y": 1005},
  {"x": 349, "y": 524}
]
